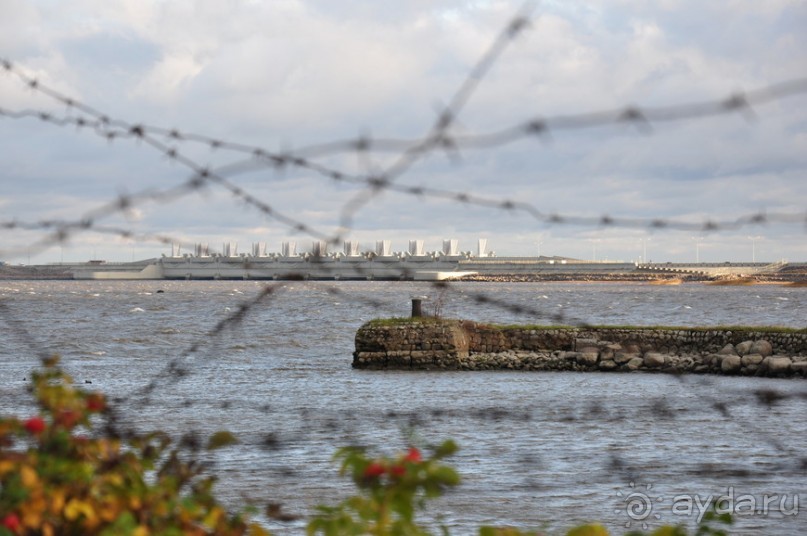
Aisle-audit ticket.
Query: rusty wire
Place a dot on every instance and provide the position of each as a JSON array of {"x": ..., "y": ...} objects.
[{"x": 439, "y": 137}]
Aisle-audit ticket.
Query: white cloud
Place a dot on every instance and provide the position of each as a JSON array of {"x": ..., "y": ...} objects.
[
  {"x": 295, "y": 72},
  {"x": 164, "y": 82}
]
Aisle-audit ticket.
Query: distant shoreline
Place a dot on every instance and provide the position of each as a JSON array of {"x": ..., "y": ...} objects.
[
  {"x": 795, "y": 275},
  {"x": 795, "y": 282},
  {"x": 797, "y": 279}
]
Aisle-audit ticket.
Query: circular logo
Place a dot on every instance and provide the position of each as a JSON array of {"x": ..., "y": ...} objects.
[{"x": 638, "y": 505}]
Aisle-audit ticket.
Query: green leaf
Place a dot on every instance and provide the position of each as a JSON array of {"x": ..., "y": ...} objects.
[
  {"x": 446, "y": 476},
  {"x": 588, "y": 530},
  {"x": 124, "y": 524},
  {"x": 221, "y": 439},
  {"x": 447, "y": 448}
]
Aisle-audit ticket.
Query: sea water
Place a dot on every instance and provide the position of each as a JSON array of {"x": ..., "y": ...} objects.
[{"x": 537, "y": 450}]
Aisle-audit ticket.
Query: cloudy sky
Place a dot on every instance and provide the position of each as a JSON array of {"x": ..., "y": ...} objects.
[{"x": 287, "y": 75}]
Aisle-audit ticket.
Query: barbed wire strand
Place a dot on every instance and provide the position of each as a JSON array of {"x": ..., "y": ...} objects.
[
  {"x": 439, "y": 137},
  {"x": 264, "y": 159}
]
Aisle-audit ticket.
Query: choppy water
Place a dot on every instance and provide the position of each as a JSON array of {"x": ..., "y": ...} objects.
[{"x": 537, "y": 449}]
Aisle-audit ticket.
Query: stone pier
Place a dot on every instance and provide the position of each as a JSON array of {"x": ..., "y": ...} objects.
[{"x": 429, "y": 343}]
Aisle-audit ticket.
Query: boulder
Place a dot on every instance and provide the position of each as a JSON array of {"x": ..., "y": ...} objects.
[
  {"x": 635, "y": 363},
  {"x": 731, "y": 364},
  {"x": 687, "y": 362},
  {"x": 744, "y": 348},
  {"x": 751, "y": 359},
  {"x": 581, "y": 344},
  {"x": 799, "y": 367},
  {"x": 623, "y": 357},
  {"x": 761, "y": 347},
  {"x": 606, "y": 354},
  {"x": 775, "y": 365},
  {"x": 587, "y": 358},
  {"x": 631, "y": 348},
  {"x": 654, "y": 360},
  {"x": 727, "y": 350},
  {"x": 608, "y": 364},
  {"x": 588, "y": 349}
]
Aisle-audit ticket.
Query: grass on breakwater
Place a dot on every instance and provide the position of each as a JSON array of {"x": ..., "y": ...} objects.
[
  {"x": 405, "y": 320},
  {"x": 401, "y": 321}
]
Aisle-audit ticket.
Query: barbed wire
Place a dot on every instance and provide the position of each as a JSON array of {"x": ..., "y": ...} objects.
[
  {"x": 642, "y": 117},
  {"x": 439, "y": 137},
  {"x": 201, "y": 174},
  {"x": 408, "y": 157}
]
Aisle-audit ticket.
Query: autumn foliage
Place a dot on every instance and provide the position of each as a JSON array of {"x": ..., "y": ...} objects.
[{"x": 59, "y": 476}]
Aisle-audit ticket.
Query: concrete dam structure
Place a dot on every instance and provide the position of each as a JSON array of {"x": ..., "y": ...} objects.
[{"x": 382, "y": 263}]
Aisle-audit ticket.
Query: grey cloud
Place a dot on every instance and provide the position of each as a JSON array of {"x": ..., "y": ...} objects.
[{"x": 287, "y": 75}]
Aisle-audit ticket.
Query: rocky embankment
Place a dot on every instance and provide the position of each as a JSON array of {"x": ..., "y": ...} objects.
[
  {"x": 454, "y": 345},
  {"x": 33, "y": 272}
]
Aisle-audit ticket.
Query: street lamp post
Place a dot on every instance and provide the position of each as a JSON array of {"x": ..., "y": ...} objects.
[
  {"x": 697, "y": 240},
  {"x": 644, "y": 250},
  {"x": 753, "y": 240}
]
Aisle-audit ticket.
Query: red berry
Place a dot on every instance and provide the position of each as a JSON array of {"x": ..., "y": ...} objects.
[
  {"x": 413, "y": 456},
  {"x": 67, "y": 418},
  {"x": 12, "y": 522},
  {"x": 397, "y": 471},
  {"x": 374, "y": 470},
  {"x": 95, "y": 403},
  {"x": 35, "y": 425}
]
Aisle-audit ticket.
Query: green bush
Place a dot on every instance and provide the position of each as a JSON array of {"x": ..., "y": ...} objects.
[{"x": 57, "y": 477}]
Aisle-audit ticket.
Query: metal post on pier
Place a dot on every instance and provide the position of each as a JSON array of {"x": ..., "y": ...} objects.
[{"x": 417, "y": 306}]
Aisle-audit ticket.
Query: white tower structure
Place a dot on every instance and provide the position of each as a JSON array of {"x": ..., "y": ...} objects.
[
  {"x": 259, "y": 249},
  {"x": 416, "y": 248},
  {"x": 383, "y": 248},
  {"x": 319, "y": 248},
  {"x": 450, "y": 247},
  {"x": 288, "y": 249},
  {"x": 482, "y": 246},
  {"x": 352, "y": 248}
]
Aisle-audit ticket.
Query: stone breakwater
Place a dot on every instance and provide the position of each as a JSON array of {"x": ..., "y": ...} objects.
[{"x": 426, "y": 344}]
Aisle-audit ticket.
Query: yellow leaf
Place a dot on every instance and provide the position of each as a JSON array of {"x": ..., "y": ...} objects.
[
  {"x": 28, "y": 476},
  {"x": 6, "y": 466},
  {"x": 36, "y": 504},
  {"x": 212, "y": 518},
  {"x": 108, "y": 510},
  {"x": 31, "y": 519},
  {"x": 666, "y": 530},
  {"x": 257, "y": 530},
  {"x": 56, "y": 501},
  {"x": 588, "y": 530},
  {"x": 141, "y": 531},
  {"x": 75, "y": 508}
]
